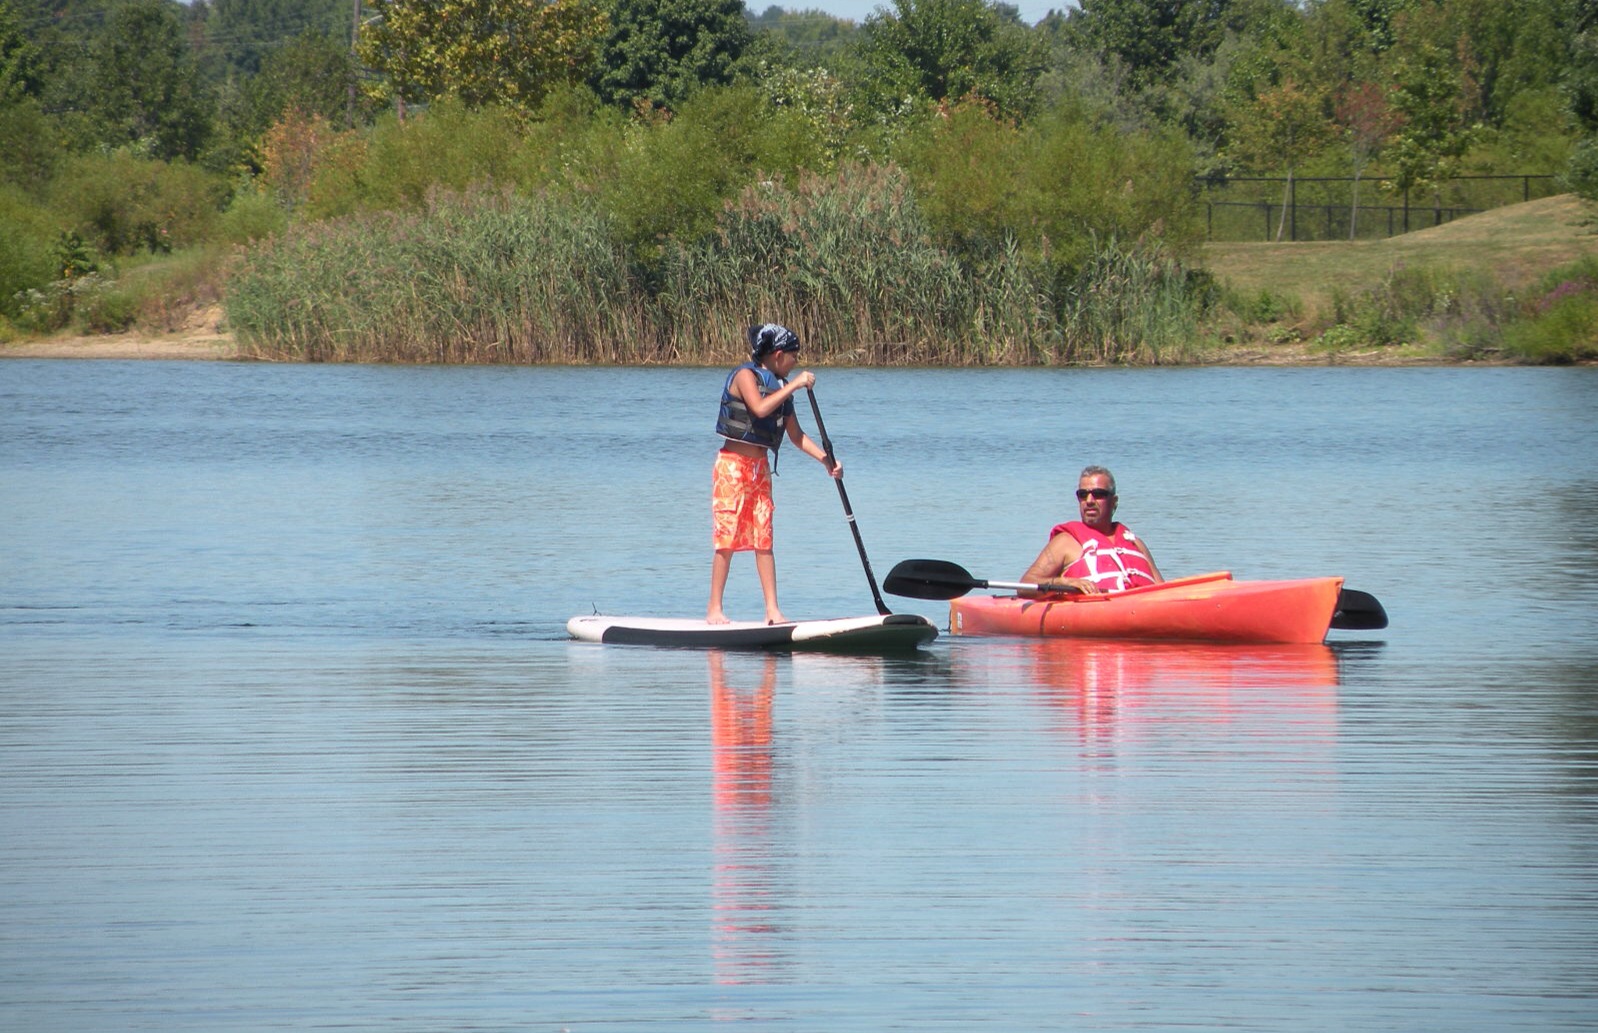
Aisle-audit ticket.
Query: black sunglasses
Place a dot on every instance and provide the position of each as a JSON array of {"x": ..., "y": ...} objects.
[{"x": 1098, "y": 493}]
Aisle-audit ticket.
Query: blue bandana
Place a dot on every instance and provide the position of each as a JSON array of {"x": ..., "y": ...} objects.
[{"x": 771, "y": 337}]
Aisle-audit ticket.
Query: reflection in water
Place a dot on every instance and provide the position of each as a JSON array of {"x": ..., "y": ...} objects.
[
  {"x": 1107, "y": 692},
  {"x": 745, "y": 904}
]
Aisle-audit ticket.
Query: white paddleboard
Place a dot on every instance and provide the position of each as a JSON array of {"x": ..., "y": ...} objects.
[{"x": 878, "y": 633}]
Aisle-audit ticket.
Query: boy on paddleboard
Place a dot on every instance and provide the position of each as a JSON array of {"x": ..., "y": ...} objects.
[{"x": 756, "y": 412}]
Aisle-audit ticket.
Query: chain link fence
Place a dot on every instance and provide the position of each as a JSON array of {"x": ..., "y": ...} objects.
[{"x": 1242, "y": 208}]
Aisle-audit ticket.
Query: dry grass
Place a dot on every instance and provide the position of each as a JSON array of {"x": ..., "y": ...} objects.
[{"x": 1515, "y": 245}]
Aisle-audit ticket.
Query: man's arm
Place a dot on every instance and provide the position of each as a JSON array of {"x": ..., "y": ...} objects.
[{"x": 1061, "y": 552}]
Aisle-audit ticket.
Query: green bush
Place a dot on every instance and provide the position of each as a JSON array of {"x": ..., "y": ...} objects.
[
  {"x": 165, "y": 290},
  {"x": 91, "y": 303},
  {"x": 398, "y": 164},
  {"x": 30, "y": 145},
  {"x": 1058, "y": 185},
  {"x": 27, "y": 257},
  {"x": 125, "y": 204},
  {"x": 1265, "y": 307},
  {"x": 1413, "y": 304},
  {"x": 1581, "y": 174},
  {"x": 666, "y": 179},
  {"x": 1567, "y": 331},
  {"x": 1559, "y": 322},
  {"x": 251, "y": 215}
]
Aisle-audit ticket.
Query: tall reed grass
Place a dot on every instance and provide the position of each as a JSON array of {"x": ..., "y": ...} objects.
[
  {"x": 846, "y": 259},
  {"x": 474, "y": 277}
]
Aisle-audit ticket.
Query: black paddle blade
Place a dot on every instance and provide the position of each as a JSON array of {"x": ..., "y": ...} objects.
[
  {"x": 929, "y": 579},
  {"x": 1358, "y": 611}
]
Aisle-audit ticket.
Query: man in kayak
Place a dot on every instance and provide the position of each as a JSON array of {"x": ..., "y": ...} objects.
[
  {"x": 756, "y": 412},
  {"x": 1094, "y": 554}
]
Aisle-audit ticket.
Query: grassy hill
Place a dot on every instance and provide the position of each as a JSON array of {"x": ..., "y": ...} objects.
[{"x": 1464, "y": 283}]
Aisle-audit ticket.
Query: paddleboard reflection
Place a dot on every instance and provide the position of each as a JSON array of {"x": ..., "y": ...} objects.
[{"x": 746, "y": 883}]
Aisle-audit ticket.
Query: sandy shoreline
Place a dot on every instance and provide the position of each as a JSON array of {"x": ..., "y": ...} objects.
[
  {"x": 123, "y": 346},
  {"x": 202, "y": 336}
]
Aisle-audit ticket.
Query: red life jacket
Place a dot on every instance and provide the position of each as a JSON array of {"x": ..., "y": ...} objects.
[{"x": 1112, "y": 561}]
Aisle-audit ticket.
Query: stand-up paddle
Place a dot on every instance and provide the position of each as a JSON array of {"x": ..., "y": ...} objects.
[
  {"x": 832, "y": 464},
  {"x": 940, "y": 579}
]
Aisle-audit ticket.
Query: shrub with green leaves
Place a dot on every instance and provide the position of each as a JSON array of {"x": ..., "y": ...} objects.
[
  {"x": 1057, "y": 185},
  {"x": 251, "y": 215},
  {"x": 1559, "y": 322},
  {"x": 125, "y": 204},
  {"x": 1419, "y": 302},
  {"x": 447, "y": 147},
  {"x": 659, "y": 179},
  {"x": 27, "y": 257}
]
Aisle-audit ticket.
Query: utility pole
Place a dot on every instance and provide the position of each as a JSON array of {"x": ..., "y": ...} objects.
[{"x": 355, "y": 32}]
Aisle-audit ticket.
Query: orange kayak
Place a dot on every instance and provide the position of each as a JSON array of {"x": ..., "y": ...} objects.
[{"x": 1204, "y": 608}]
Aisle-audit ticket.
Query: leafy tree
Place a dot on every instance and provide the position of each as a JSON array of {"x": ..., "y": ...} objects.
[
  {"x": 808, "y": 37},
  {"x": 312, "y": 73},
  {"x": 290, "y": 150},
  {"x": 510, "y": 52},
  {"x": 661, "y": 178},
  {"x": 144, "y": 89},
  {"x": 1433, "y": 93},
  {"x": 1505, "y": 47},
  {"x": 1375, "y": 19},
  {"x": 1367, "y": 122},
  {"x": 662, "y": 51},
  {"x": 20, "y": 66},
  {"x": 812, "y": 106},
  {"x": 29, "y": 149},
  {"x": 1148, "y": 37},
  {"x": 1581, "y": 93},
  {"x": 949, "y": 50},
  {"x": 1284, "y": 125},
  {"x": 246, "y": 33}
]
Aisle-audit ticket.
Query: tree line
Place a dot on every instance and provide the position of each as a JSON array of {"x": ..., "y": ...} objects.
[{"x": 131, "y": 128}]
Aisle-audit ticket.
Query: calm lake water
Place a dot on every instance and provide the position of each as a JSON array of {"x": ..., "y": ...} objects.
[{"x": 291, "y": 736}]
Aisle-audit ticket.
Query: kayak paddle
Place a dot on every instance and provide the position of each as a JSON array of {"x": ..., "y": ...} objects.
[
  {"x": 1358, "y": 611},
  {"x": 832, "y": 463},
  {"x": 939, "y": 579}
]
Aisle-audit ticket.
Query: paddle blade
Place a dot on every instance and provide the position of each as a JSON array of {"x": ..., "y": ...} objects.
[
  {"x": 929, "y": 579},
  {"x": 1358, "y": 611}
]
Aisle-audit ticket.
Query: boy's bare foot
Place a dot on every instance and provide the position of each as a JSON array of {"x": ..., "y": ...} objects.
[
  {"x": 715, "y": 616},
  {"x": 775, "y": 617}
]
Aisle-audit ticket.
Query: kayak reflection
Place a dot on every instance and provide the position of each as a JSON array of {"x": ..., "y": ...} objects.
[{"x": 1107, "y": 691}]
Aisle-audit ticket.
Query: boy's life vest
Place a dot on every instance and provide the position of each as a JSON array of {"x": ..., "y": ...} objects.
[
  {"x": 736, "y": 422},
  {"x": 1112, "y": 561}
]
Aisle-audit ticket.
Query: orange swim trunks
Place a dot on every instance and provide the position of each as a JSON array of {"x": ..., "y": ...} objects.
[{"x": 740, "y": 502}]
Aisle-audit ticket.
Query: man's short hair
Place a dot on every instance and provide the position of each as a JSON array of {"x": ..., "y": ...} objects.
[{"x": 1098, "y": 471}]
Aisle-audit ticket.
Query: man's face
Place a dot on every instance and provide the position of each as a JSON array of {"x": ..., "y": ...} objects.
[{"x": 1096, "y": 500}]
